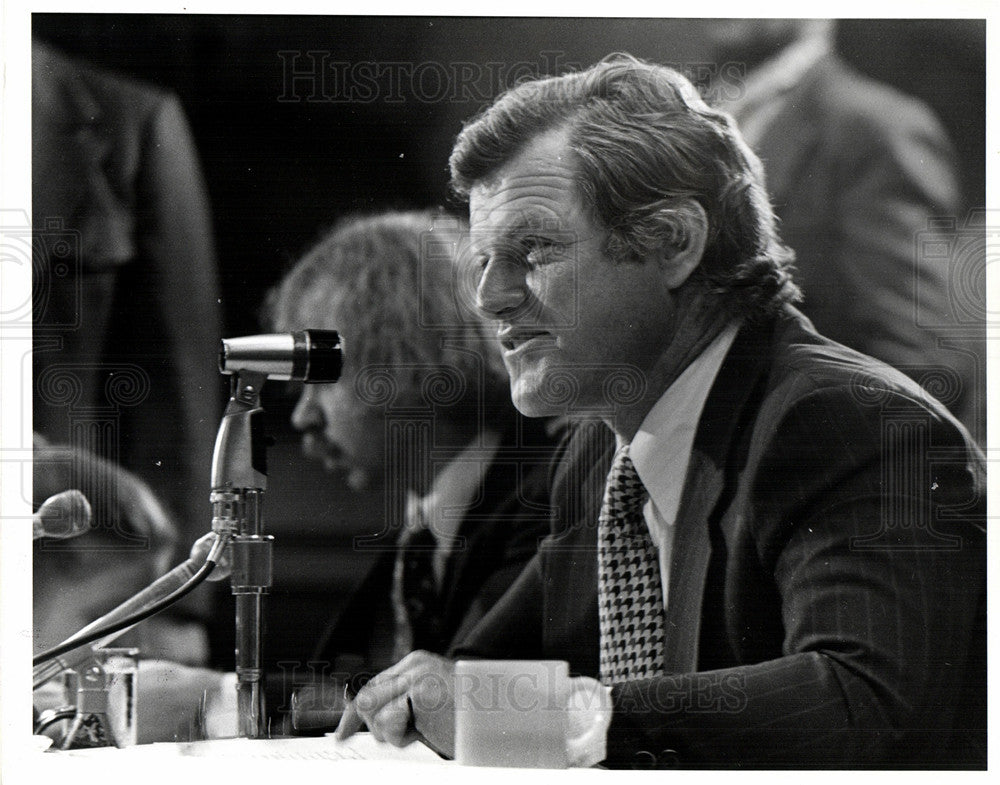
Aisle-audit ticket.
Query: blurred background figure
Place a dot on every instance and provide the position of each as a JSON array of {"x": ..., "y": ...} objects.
[
  {"x": 855, "y": 170},
  {"x": 131, "y": 543},
  {"x": 423, "y": 411},
  {"x": 126, "y": 316}
]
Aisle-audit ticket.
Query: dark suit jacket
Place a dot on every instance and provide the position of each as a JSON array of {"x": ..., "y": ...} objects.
[
  {"x": 500, "y": 534},
  {"x": 827, "y": 587},
  {"x": 126, "y": 315},
  {"x": 856, "y": 170}
]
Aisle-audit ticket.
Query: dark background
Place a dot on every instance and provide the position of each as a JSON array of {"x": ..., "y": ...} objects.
[{"x": 283, "y": 160}]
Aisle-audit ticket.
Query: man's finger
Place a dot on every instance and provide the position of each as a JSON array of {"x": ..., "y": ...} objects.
[
  {"x": 379, "y": 691},
  {"x": 383, "y": 689},
  {"x": 393, "y": 721},
  {"x": 350, "y": 723}
]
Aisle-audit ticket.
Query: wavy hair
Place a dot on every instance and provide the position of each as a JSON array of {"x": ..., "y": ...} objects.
[
  {"x": 644, "y": 144},
  {"x": 388, "y": 283}
]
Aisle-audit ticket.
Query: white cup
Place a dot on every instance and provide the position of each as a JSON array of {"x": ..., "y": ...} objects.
[
  {"x": 511, "y": 713},
  {"x": 121, "y": 669}
]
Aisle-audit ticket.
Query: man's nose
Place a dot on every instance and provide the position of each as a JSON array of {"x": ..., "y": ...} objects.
[
  {"x": 501, "y": 288},
  {"x": 307, "y": 414}
]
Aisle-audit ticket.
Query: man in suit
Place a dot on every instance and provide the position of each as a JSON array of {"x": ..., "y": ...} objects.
[
  {"x": 126, "y": 318},
  {"x": 785, "y": 564},
  {"x": 857, "y": 171}
]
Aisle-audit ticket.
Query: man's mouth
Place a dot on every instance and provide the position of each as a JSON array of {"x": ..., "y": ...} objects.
[
  {"x": 513, "y": 338},
  {"x": 316, "y": 447}
]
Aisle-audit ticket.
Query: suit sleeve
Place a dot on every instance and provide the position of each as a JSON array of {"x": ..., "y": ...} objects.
[
  {"x": 900, "y": 299},
  {"x": 894, "y": 175},
  {"x": 877, "y": 564},
  {"x": 513, "y": 627},
  {"x": 514, "y": 543}
]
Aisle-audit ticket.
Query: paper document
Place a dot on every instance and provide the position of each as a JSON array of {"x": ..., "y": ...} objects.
[{"x": 360, "y": 746}]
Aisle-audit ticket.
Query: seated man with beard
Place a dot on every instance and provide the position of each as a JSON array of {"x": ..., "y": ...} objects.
[{"x": 423, "y": 408}]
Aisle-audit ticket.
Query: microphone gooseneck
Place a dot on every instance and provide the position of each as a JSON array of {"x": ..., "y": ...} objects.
[{"x": 206, "y": 553}]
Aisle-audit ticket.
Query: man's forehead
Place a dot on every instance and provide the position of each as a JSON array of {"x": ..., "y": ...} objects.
[
  {"x": 538, "y": 204},
  {"x": 526, "y": 213},
  {"x": 535, "y": 186}
]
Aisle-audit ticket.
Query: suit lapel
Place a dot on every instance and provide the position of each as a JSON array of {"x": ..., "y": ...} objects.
[
  {"x": 718, "y": 428},
  {"x": 571, "y": 630},
  {"x": 689, "y": 563}
]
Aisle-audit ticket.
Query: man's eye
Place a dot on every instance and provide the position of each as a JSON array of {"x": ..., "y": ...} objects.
[{"x": 542, "y": 251}]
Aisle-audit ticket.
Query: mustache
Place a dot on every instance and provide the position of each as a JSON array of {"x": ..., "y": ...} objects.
[
  {"x": 316, "y": 445},
  {"x": 335, "y": 459}
]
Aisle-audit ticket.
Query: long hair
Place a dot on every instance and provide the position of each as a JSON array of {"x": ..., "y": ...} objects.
[
  {"x": 644, "y": 142},
  {"x": 389, "y": 284}
]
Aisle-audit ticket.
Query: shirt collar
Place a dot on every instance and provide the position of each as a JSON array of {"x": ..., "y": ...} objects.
[
  {"x": 661, "y": 448},
  {"x": 455, "y": 487}
]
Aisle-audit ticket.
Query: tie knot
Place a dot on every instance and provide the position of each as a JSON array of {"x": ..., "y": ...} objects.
[{"x": 623, "y": 480}]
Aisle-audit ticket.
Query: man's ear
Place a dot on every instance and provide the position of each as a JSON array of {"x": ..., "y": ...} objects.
[{"x": 684, "y": 227}]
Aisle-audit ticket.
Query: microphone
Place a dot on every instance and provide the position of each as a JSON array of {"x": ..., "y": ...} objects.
[
  {"x": 156, "y": 591},
  {"x": 62, "y": 516},
  {"x": 307, "y": 355}
]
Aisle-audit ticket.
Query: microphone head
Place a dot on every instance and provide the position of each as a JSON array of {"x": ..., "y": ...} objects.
[
  {"x": 306, "y": 355},
  {"x": 62, "y": 516}
]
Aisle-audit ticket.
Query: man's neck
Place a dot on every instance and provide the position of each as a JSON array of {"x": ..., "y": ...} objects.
[{"x": 700, "y": 319}]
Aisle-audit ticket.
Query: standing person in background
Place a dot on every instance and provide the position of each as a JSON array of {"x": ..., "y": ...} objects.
[
  {"x": 126, "y": 313},
  {"x": 855, "y": 170}
]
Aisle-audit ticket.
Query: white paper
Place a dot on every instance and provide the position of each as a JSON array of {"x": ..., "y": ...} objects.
[{"x": 360, "y": 746}]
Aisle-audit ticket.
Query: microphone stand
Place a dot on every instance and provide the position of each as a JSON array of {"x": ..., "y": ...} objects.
[{"x": 239, "y": 478}]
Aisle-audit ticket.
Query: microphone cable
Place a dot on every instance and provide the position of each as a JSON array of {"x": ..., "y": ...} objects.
[{"x": 75, "y": 642}]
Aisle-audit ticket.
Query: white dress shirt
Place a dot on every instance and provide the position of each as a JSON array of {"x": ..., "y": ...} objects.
[{"x": 661, "y": 448}]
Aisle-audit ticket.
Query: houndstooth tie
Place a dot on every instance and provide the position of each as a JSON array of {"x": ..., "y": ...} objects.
[{"x": 630, "y": 597}]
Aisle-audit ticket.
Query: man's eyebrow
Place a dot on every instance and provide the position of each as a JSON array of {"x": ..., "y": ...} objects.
[{"x": 525, "y": 221}]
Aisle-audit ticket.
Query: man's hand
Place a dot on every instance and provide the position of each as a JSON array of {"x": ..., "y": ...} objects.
[{"x": 415, "y": 698}]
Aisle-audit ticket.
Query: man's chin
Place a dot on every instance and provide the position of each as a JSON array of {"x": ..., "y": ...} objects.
[
  {"x": 356, "y": 478},
  {"x": 530, "y": 403}
]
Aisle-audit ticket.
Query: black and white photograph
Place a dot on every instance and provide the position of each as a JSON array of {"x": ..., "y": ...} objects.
[{"x": 436, "y": 391}]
